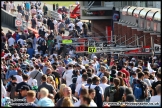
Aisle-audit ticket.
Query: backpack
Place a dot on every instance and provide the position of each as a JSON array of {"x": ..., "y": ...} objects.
[
  {"x": 40, "y": 41},
  {"x": 13, "y": 89},
  {"x": 139, "y": 90},
  {"x": 98, "y": 97},
  {"x": 112, "y": 92}
]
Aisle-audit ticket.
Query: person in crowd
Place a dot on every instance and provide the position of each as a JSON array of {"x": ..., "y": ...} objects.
[
  {"x": 44, "y": 84},
  {"x": 157, "y": 98},
  {"x": 44, "y": 100},
  {"x": 30, "y": 98},
  {"x": 67, "y": 102},
  {"x": 66, "y": 93},
  {"x": 45, "y": 9}
]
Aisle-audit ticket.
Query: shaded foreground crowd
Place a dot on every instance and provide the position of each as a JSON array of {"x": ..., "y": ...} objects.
[{"x": 36, "y": 72}]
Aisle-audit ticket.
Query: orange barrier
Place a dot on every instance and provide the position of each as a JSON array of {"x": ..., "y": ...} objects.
[{"x": 33, "y": 30}]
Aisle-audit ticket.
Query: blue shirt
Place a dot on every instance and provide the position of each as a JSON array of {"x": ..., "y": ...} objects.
[
  {"x": 45, "y": 102},
  {"x": 17, "y": 37},
  {"x": 10, "y": 72},
  {"x": 27, "y": 5},
  {"x": 44, "y": 69},
  {"x": 31, "y": 52}
]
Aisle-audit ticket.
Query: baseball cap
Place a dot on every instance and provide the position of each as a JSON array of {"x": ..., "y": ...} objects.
[{"x": 25, "y": 87}]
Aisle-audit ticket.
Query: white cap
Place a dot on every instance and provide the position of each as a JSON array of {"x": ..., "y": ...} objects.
[
  {"x": 133, "y": 59},
  {"x": 34, "y": 82},
  {"x": 94, "y": 57}
]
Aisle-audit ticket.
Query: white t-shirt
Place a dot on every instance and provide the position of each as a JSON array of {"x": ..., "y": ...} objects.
[
  {"x": 21, "y": 41},
  {"x": 68, "y": 76},
  {"x": 15, "y": 58},
  {"x": 39, "y": 23},
  {"x": 103, "y": 86},
  {"x": 19, "y": 16},
  {"x": 40, "y": 11},
  {"x": 80, "y": 24},
  {"x": 77, "y": 104},
  {"x": 30, "y": 80},
  {"x": 77, "y": 89},
  {"x": 19, "y": 78},
  {"x": 55, "y": 22},
  {"x": 12, "y": 5},
  {"x": 11, "y": 41},
  {"x": 72, "y": 26},
  {"x": 156, "y": 98},
  {"x": 79, "y": 80},
  {"x": 92, "y": 104}
]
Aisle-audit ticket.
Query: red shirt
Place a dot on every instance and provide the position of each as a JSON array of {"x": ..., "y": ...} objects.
[
  {"x": 2, "y": 54},
  {"x": 126, "y": 72}
]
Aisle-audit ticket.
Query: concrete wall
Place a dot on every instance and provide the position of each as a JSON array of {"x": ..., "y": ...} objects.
[{"x": 8, "y": 18}]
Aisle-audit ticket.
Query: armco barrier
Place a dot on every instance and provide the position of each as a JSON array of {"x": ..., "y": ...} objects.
[{"x": 8, "y": 18}]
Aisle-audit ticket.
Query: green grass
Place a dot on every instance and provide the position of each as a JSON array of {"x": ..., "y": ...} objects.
[{"x": 61, "y": 3}]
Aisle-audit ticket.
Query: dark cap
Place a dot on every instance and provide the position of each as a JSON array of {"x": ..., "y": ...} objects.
[
  {"x": 25, "y": 87},
  {"x": 13, "y": 78},
  {"x": 133, "y": 73},
  {"x": 130, "y": 98}
]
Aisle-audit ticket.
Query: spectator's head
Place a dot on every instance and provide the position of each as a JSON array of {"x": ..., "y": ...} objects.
[
  {"x": 120, "y": 74},
  {"x": 44, "y": 78},
  {"x": 67, "y": 91},
  {"x": 92, "y": 93},
  {"x": 19, "y": 72},
  {"x": 48, "y": 71},
  {"x": 116, "y": 81},
  {"x": 122, "y": 83},
  {"x": 138, "y": 70},
  {"x": 44, "y": 92},
  {"x": 83, "y": 92},
  {"x": 96, "y": 80},
  {"x": 86, "y": 100},
  {"x": 114, "y": 68},
  {"x": 31, "y": 96},
  {"x": 61, "y": 92},
  {"x": 67, "y": 102},
  {"x": 126, "y": 92},
  {"x": 158, "y": 89},
  {"x": 146, "y": 74},
  {"x": 89, "y": 81},
  {"x": 140, "y": 75},
  {"x": 51, "y": 96},
  {"x": 158, "y": 76},
  {"x": 13, "y": 79},
  {"x": 103, "y": 69},
  {"x": 104, "y": 79},
  {"x": 25, "y": 77},
  {"x": 24, "y": 90},
  {"x": 130, "y": 98},
  {"x": 84, "y": 77}
]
